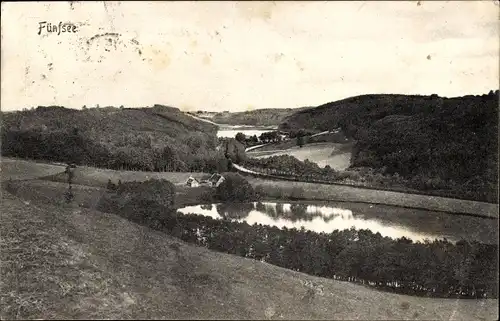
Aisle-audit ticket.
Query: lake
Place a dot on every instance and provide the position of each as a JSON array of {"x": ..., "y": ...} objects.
[
  {"x": 389, "y": 221},
  {"x": 231, "y": 131}
]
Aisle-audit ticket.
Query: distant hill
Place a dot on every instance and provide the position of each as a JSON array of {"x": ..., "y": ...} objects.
[
  {"x": 153, "y": 138},
  {"x": 258, "y": 117},
  {"x": 446, "y": 140}
]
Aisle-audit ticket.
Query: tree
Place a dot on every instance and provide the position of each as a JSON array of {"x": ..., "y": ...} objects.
[
  {"x": 111, "y": 186},
  {"x": 240, "y": 137},
  {"x": 300, "y": 141},
  {"x": 235, "y": 188}
]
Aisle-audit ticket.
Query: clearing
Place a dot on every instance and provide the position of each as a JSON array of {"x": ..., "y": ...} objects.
[{"x": 323, "y": 154}]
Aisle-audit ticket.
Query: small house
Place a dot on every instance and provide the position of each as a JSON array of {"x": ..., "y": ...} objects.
[
  {"x": 216, "y": 179},
  {"x": 213, "y": 180},
  {"x": 192, "y": 182}
]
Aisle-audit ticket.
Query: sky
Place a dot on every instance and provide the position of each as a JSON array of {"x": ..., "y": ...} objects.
[{"x": 241, "y": 56}]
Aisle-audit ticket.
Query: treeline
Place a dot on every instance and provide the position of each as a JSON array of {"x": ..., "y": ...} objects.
[
  {"x": 437, "y": 269},
  {"x": 264, "y": 138}
]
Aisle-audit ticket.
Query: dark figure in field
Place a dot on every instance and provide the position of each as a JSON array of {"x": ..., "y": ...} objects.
[
  {"x": 70, "y": 172},
  {"x": 111, "y": 186}
]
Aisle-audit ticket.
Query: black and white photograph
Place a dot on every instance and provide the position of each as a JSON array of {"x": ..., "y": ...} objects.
[{"x": 249, "y": 160}]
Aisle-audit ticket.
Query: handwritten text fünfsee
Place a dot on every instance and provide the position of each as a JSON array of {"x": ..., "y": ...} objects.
[{"x": 62, "y": 27}]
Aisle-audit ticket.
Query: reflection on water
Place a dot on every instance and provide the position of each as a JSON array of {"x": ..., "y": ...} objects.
[{"x": 316, "y": 218}]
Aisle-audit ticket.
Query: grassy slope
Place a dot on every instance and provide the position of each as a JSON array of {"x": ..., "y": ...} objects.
[
  {"x": 66, "y": 262},
  {"x": 99, "y": 177},
  {"x": 258, "y": 117},
  {"x": 84, "y": 175},
  {"x": 21, "y": 169}
]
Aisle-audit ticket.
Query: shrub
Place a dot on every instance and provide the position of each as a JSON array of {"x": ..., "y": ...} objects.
[
  {"x": 111, "y": 186},
  {"x": 235, "y": 188},
  {"x": 139, "y": 201},
  {"x": 156, "y": 190}
]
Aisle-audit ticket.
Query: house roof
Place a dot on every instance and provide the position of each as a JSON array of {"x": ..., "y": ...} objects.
[
  {"x": 215, "y": 177},
  {"x": 206, "y": 177}
]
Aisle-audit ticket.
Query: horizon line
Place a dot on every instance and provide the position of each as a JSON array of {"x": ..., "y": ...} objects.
[{"x": 97, "y": 106}]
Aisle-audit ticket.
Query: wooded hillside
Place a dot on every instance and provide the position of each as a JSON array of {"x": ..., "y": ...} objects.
[
  {"x": 450, "y": 141},
  {"x": 159, "y": 138}
]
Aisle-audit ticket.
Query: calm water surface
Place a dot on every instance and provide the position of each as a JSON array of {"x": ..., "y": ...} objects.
[
  {"x": 231, "y": 131},
  {"x": 388, "y": 221}
]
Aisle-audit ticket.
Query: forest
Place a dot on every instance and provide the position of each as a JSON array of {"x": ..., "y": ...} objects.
[
  {"x": 142, "y": 139},
  {"x": 427, "y": 140}
]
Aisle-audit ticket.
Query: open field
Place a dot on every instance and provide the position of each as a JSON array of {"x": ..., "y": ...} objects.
[
  {"x": 98, "y": 177},
  {"x": 84, "y": 175},
  {"x": 68, "y": 262},
  {"x": 320, "y": 153},
  {"x": 23, "y": 169}
]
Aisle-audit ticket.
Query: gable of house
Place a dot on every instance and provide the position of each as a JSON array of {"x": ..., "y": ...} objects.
[{"x": 191, "y": 181}]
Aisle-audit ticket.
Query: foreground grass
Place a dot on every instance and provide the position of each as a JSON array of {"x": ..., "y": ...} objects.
[{"x": 68, "y": 262}]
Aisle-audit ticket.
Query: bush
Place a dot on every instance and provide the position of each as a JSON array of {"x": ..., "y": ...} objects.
[
  {"x": 111, "y": 186},
  {"x": 235, "y": 188},
  {"x": 139, "y": 201},
  {"x": 156, "y": 190}
]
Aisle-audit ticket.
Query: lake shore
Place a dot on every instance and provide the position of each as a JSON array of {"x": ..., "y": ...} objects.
[{"x": 280, "y": 189}]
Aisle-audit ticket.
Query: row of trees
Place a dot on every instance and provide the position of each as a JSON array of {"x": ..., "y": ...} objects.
[
  {"x": 301, "y": 137},
  {"x": 266, "y": 137},
  {"x": 439, "y": 268},
  {"x": 246, "y": 140}
]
